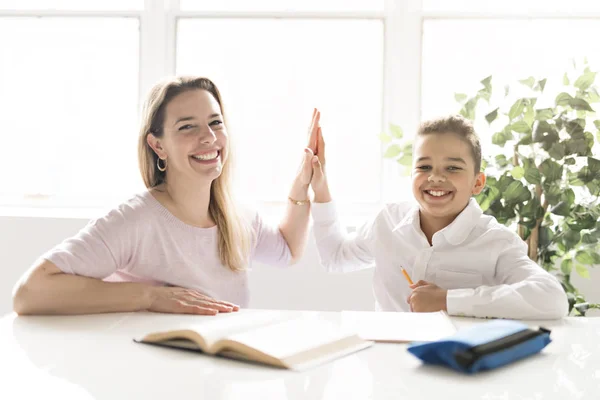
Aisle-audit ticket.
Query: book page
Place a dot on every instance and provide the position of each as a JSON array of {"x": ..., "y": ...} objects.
[
  {"x": 291, "y": 337},
  {"x": 398, "y": 326},
  {"x": 217, "y": 327}
]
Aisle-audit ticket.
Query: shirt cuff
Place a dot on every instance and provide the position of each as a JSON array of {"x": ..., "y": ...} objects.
[
  {"x": 323, "y": 211},
  {"x": 459, "y": 302}
]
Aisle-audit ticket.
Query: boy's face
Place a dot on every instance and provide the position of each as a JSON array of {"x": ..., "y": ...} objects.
[{"x": 443, "y": 176}]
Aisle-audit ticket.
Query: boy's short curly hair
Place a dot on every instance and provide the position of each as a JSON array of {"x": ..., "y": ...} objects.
[{"x": 458, "y": 125}]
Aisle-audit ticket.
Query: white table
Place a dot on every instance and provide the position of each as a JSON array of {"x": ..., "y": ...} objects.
[{"x": 94, "y": 357}]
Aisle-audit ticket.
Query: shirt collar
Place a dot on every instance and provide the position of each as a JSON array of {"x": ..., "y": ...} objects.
[
  {"x": 410, "y": 219},
  {"x": 463, "y": 224},
  {"x": 456, "y": 232}
]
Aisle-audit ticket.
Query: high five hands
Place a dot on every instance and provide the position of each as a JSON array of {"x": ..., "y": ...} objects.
[{"x": 312, "y": 170}]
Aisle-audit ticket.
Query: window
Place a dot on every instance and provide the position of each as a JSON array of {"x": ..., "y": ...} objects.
[
  {"x": 283, "y": 5},
  {"x": 73, "y": 79},
  {"x": 69, "y": 99},
  {"x": 272, "y": 73},
  {"x": 72, "y": 75},
  {"x": 455, "y": 59}
]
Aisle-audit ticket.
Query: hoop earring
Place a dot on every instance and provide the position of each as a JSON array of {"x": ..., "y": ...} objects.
[{"x": 163, "y": 169}]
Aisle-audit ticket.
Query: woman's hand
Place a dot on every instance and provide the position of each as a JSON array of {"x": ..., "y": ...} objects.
[
  {"x": 306, "y": 170},
  {"x": 179, "y": 300}
]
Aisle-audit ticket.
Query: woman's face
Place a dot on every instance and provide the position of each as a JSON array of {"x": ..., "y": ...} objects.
[{"x": 194, "y": 142}]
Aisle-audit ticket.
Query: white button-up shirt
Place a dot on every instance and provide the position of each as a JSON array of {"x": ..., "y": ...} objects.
[{"x": 483, "y": 265}]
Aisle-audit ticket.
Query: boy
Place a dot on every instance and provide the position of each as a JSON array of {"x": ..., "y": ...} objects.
[{"x": 462, "y": 261}]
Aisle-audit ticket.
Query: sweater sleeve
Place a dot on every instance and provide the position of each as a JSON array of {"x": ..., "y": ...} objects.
[{"x": 102, "y": 247}]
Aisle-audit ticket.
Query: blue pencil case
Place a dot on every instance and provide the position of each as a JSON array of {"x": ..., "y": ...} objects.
[{"x": 484, "y": 346}]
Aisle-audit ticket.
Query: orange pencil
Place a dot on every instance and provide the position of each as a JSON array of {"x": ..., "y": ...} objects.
[{"x": 410, "y": 282}]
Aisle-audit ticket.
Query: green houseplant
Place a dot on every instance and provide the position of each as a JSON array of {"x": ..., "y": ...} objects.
[{"x": 543, "y": 178}]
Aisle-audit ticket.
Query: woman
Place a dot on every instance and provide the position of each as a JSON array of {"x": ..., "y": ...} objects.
[{"x": 183, "y": 243}]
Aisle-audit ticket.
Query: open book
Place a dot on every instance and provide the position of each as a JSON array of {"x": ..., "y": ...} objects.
[
  {"x": 398, "y": 327},
  {"x": 298, "y": 342}
]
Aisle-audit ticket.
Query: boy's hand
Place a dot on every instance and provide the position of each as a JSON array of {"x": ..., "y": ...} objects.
[
  {"x": 319, "y": 178},
  {"x": 427, "y": 297},
  {"x": 305, "y": 172}
]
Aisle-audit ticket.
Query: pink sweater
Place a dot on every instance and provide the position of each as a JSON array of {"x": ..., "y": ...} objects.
[{"x": 141, "y": 241}]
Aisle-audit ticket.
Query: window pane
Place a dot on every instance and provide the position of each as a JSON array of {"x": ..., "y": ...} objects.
[
  {"x": 69, "y": 100},
  {"x": 510, "y": 6},
  {"x": 87, "y": 5},
  {"x": 272, "y": 73},
  {"x": 457, "y": 54},
  {"x": 282, "y": 5}
]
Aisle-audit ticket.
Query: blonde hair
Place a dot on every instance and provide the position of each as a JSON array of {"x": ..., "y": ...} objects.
[
  {"x": 234, "y": 231},
  {"x": 459, "y": 126}
]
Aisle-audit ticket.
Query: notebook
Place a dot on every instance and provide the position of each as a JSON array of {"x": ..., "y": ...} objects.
[
  {"x": 298, "y": 342},
  {"x": 398, "y": 327}
]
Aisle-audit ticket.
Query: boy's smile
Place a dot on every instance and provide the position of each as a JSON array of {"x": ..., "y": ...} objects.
[{"x": 443, "y": 177}]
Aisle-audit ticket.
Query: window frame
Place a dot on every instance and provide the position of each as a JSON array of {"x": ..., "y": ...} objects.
[{"x": 403, "y": 29}]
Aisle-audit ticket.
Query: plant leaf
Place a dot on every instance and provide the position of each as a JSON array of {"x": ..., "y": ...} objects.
[
  {"x": 562, "y": 208},
  {"x": 580, "y": 104},
  {"x": 392, "y": 151},
  {"x": 568, "y": 196},
  {"x": 582, "y": 271},
  {"x": 566, "y": 266},
  {"x": 520, "y": 127},
  {"x": 517, "y": 172},
  {"x": 516, "y": 109},
  {"x": 563, "y": 99},
  {"x": 529, "y": 116},
  {"x": 396, "y": 131},
  {"x": 593, "y": 96},
  {"x": 544, "y": 114},
  {"x": 491, "y": 116},
  {"x": 571, "y": 238},
  {"x": 585, "y": 81},
  {"x": 385, "y": 138},
  {"x": 551, "y": 170},
  {"x": 566, "y": 79},
  {"x": 557, "y": 151},
  {"x": 545, "y": 133},
  {"x": 529, "y": 82},
  {"x": 588, "y": 239},
  {"x": 533, "y": 176},
  {"x": 585, "y": 221},
  {"x": 587, "y": 257},
  {"x": 540, "y": 85},
  {"x": 405, "y": 160},
  {"x": 487, "y": 84},
  {"x": 500, "y": 138},
  {"x": 594, "y": 167},
  {"x": 516, "y": 193},
  {"x": 460, "y": 97},
  {"x": 501, "y": 160}
]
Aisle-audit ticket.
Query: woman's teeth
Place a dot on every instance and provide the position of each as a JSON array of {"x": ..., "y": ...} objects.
[
  {"x": 437, "y": 193},
  {"x": 207, "y": 156}
]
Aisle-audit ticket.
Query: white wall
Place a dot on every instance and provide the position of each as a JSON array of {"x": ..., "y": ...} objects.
[{"x": 302, "y": 286}]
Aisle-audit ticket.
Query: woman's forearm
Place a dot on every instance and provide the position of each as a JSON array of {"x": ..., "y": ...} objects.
[
  {"x": 46, "y": 290},
  {"x": 294, "y": 225}
]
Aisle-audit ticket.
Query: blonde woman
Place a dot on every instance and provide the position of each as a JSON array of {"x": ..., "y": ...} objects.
[{"x": 181, "y": 246}]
